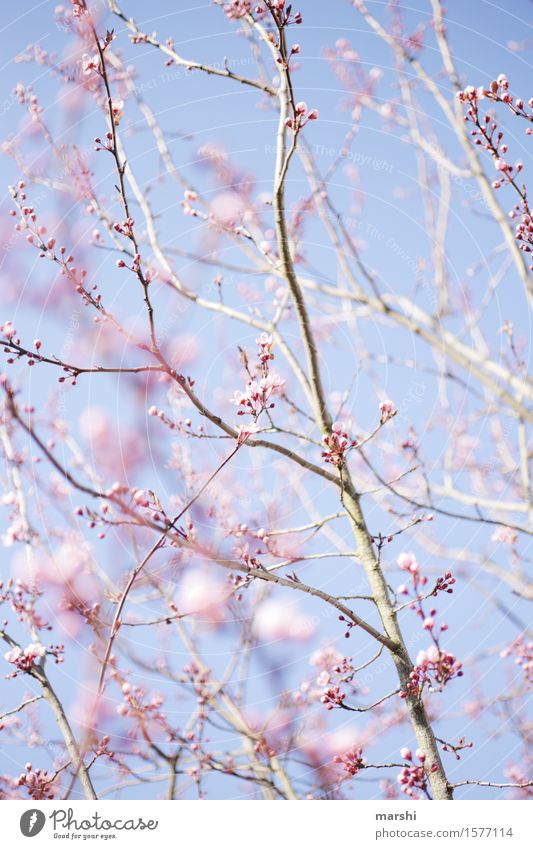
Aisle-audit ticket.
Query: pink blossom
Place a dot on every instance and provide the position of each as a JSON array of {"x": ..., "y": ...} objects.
[
  {"x": 387, "y": 410},
  {"x": 203, "y": 595},
  {"x": 117, "y": 108},
  {"x": 245, "y": 431},
  {"x": 34, "y": 650},
  {"x": 469, "y": 93},
  {"x": 281, "y": 620},
  {"x": 323, "y": 678},
  {"x": 236, "y": 9},
  {"x": 506, "y": 535},
  {"x": 266, "y": 344},
  {"x": 332, "y": 697},
  {"x": 8, "y": 330},
  {"x": 140, "y": 498},
  {"x": 24, "y": 659},
  {"x": 326, "y": 658},
  {"x": 89, "y": 64},
  {"x": 434, "y": 667},
  {"x": 521, "y": 650},
  {"x": 407, "y": 561},
  {"x": 257, "y": 395},
  {"x": 431, "y": 654},
  {"x": 13, "y": 655},
  {"x": 336, "y": 444},
  {"x": 94, "y": 424},
  {"x": 228, "y": 207},
  {"x": 352, "y": 761}
]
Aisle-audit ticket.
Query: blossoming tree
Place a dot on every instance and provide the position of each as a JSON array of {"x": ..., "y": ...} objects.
[{"x": 266, "y": 453}]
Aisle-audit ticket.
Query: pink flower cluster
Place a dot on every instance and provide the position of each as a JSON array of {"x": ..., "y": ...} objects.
[
  {"x": 359, "y": 82},
  {"x": 107, "y": 145},
  {"x": 8, "y": 331},
  {"x": 190, "y": 197},
  {"x": 266, "y": 344},
  {"x": 332, "y": 697},
  {"x": 135, "y": 266},
  {"x": 337, "y": 444},
  {"x": 301, "y": 116},
  {"x": 498, "y": 91},
  {"x": 39, "y": 784},
  {"x": 523, "y": 230},
  {"x": 520, "y": 774},
  {"x": 487, "y": 134},
  {"x": 24, "y": 659},
  {"x": 434, "y": 667},
  {"x": 352, "y": 761},
  {"x": 326, "y": 657},
  {"x": 125, "y": 228},
  {"x": 161, "y": 415},
  {"x": 236, "y": 9},
  {"x": 22, "y": 599},
  {"x": 47, "y": 248},
  {"x": 471, "y": 94},
  {"x": 336, "y": 674},
  {"x": 245, "y": 431},
  {"x": 521, "y": 650},
  {"x": 281, "y": 12},
  {"x": 135, "y": 703},
  {"x": 387, "y": 410},
  {"x": 258, "y": 393},
  {"x": 256, "y": 397},
  {"x": 13, "y": 346},
  {"x": 413, "y": 776},
  {"x": 408, "y": 563},
  {"x": 79, "y": 9}
]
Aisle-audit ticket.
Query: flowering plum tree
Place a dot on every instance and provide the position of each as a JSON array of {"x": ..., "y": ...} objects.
[{"x": 265, "y": 412}]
